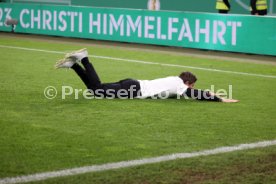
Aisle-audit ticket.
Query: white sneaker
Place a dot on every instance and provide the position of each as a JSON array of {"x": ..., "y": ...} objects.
[
  {"x": 77, "y": 55},
  {"x": 65, "y": 63}
]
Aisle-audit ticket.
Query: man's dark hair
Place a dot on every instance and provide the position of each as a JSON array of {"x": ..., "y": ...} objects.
[{"x": 188, "y": 77}]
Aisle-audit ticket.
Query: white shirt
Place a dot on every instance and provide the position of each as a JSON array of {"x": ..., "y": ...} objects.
[{"x": 162, "y": 88}]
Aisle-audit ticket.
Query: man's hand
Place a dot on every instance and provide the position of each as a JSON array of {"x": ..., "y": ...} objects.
[
  {"x": 223, "y": 99},
  {"x": 229, "y": 100}
]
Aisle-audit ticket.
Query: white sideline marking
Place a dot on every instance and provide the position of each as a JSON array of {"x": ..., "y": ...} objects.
[
  {"x": 131, "y": 163},
  {"x": 144, "y": 62}
]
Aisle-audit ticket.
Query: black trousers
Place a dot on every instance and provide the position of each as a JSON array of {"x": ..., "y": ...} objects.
[
  {"x": 127, "y": 88},
  {"x": 260, "y": 12},
  {"x": 223, "y": 11}
]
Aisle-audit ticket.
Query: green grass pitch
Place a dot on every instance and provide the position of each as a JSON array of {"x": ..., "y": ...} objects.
[{"x": 39, "y": 135}]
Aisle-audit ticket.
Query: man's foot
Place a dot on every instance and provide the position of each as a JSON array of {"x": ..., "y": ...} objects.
[
  {"x": 65, "y": 63},
  {"x": 77, "y": 55}
]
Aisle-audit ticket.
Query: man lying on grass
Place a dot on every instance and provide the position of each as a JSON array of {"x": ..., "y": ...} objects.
[{"x": 181, "y": 85}]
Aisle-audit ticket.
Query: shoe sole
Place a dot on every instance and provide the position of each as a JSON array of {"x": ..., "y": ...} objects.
[
  {"x": 68, "y": 55},
  {"x": 60, "y": 63}
]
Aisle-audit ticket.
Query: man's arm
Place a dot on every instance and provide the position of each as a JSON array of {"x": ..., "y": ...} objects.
[
  {"x": 253, "y": 6},
  {"x": 226, "y": 2},
  {"x": 206, "y": 95}
]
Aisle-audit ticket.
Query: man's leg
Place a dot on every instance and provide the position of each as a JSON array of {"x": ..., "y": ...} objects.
[
  {"x": 130, "y": 86},
  {"x": 262, "y": 12},
  {"x": 223, "y": 11},
  {"x": 81, "y": 73},
  {"x": 71, "y": 63},
  {"x": 94, "y": 81}
]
